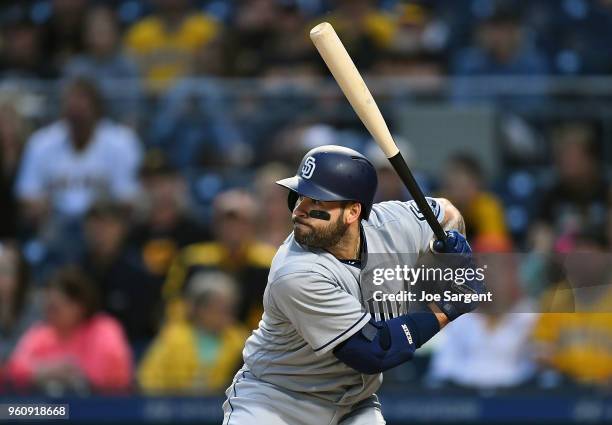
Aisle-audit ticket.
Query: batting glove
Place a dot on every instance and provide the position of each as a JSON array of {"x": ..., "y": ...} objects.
[
  {"x": 459, "y": 257},
  {"x": 455, "y": 243}
]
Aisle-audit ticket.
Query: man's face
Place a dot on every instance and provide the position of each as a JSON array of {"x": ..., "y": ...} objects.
[
  {"x": 317, "y": 233},
  {"x": 79, "y": 108},
  {"x": 104, "y": 235},
  {"x": 233, "y": 229}
]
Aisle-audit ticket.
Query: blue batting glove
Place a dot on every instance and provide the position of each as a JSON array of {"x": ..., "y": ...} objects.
[
  {"x": 460, "y": 257},
  {"x": 455, "y": 243}
]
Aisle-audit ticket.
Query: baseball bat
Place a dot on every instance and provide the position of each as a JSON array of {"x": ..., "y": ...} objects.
[{"x": 354, "y": 88}]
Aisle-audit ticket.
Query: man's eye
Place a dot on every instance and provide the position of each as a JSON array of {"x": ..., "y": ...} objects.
[{"x": 314, "y": 201}]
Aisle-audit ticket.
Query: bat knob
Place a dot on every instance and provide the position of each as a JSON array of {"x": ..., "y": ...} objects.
[{"x": 438, "y": 245}]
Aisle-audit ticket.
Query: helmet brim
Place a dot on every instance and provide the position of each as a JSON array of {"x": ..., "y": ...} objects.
[{"x": 309, "y": 189}]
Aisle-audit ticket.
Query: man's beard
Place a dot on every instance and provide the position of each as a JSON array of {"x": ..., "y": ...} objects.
[{"x": 325, "y": 238}]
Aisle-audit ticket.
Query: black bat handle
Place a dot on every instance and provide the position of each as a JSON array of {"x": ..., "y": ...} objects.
[{"x": 401, "y": 168}]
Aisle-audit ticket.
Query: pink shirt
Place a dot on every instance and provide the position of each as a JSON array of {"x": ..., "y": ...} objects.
[{"x": 98, "y": 347}]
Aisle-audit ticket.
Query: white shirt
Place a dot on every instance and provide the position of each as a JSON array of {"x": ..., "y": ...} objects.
[
  {"x": 72, "y": 180},
  {"x": 475, "y": 355}
]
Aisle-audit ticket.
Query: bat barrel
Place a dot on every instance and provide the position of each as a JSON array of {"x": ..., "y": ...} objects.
[
  {"x": 356, "y": 91},
  {"x": 351, "y": 83}
]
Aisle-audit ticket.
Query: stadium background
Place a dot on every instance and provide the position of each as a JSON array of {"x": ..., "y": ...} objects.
[{"x": 132, "y": 267}]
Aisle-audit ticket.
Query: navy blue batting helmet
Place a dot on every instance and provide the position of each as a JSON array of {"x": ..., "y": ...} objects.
[{"x": 334, "y": 173}]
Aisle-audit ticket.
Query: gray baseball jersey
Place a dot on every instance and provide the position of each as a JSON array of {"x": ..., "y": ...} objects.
[{"x": 313, "y": 302}]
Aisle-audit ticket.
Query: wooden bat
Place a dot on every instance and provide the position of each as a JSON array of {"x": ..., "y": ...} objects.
[{"x": 354, "y": 88}]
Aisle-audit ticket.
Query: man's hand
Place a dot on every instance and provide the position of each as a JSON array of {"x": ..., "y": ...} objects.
[
  {"x": 457, "y": 254},
  {"x": 455, "y": 243}
]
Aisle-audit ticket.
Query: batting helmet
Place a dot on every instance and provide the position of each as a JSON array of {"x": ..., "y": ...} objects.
[{"x": 334, "y": 173}]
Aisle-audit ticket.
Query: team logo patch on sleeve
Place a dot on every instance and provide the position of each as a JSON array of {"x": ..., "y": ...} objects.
[
  {"x": 435, "y": 207},
  {"x": 308, "y": 167}
]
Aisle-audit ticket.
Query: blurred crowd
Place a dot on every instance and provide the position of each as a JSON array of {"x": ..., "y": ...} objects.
[{"x": 139, "y": 214}]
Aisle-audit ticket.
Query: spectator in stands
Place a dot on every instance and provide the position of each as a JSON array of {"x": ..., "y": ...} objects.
[
  {"x": 429, "y": 69},
  {"x": 234, "y": 250},
  {"x": 82, "y": 157},
  {"x": 63, "y": 34},
  {"x": 417, "y": 49},
  {"x": 164, "y": 43},
  {"x": 252, "y": 27},
  {"x": 364, "y": 30},
  {"x": 289, "y": 52},
  {"x": 13, "y": 133},
  {"x": 209, "y": 61},
  {"x": 490, "y": 349},
  {"x": 127, "y": 291},
  {"x": 578, "y": 38},
  {"x": 21, "y": 51},
  {"x": 201, "y": 354},
  {"x": 417, "y": 30},
  {"x": 274, "y": 224},
  {"x": 501, "y": 48},
  {"x": 574, "y": 334},
  {"x": 163, "y": 224},
  {"x": 162, "y": 227},
  {"x": 19, "y": 305},
  {"x": 464, "y": 185},
  {"x": 76, "y": 349},
  {"x": 290, "y": 71},
  {"x": 103, "y": 62},
  {"x": 195, "y": 124},
  {"x": 578, "y": 197}
]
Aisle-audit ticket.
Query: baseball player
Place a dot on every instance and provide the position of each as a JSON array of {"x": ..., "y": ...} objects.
[{"x": 323, "y": 342}]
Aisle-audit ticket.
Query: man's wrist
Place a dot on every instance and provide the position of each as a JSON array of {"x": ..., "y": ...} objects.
[{"x": 442, "y": 318}]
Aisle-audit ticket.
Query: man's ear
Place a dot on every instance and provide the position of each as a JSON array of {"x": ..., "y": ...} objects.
[{"x": 352, "y": 212}]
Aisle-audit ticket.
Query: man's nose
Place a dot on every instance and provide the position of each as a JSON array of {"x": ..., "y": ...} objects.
[{"x": 302, "y": 206}]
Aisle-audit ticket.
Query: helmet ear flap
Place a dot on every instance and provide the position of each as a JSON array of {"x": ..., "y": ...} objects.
[{"x": 292, "y": 199}]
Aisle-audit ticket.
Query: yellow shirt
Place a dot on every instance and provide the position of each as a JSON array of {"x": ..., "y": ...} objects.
[
  {"x": 213, "y": 254},
  {"x": 164, "y": 54},
  {"x": 580, "y": 343},
  {"x": 380, "y": 27},
  {"x": 171, "y": 364},
  {"x": 254, "y": 260},
  {"x": 485, "y": 216}
]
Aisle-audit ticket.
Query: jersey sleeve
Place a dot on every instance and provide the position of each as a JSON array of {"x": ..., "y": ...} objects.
[
  {"x": 415, "y": 224},
  {"x": 321, "y": 311}
]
